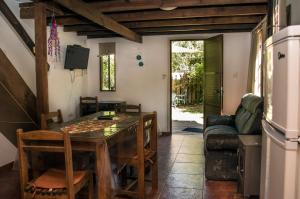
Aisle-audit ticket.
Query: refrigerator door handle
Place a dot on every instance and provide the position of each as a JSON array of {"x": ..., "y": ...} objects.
[
  {"x": 294, "y": 140},
  {"x": 276, "y": 137}
]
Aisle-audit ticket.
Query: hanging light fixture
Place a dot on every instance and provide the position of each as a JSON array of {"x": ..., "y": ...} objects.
[
  {"x": 164, "y": 6},
  {"x": 167, "y": 8}
]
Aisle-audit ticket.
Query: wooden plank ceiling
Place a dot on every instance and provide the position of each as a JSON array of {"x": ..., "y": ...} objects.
[{"x": 134, "y": 18}]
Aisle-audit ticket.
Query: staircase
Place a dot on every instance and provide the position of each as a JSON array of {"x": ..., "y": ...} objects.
[{"x": 17, "y": 102}]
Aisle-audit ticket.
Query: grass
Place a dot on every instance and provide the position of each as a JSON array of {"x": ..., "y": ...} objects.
[{"x": 196, "y": 108}]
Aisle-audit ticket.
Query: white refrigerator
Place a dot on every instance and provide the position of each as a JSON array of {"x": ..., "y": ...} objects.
[{"x": 280, "y": 166}]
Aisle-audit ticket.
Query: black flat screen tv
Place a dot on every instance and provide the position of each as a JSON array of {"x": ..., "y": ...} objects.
[{"x": 77, "y": 57}]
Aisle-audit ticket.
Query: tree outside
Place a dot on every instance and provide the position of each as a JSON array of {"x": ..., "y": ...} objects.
[{"x": 187, "y": 75}]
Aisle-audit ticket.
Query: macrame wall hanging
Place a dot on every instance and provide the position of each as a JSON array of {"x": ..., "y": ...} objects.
[{"x": 53, "y": 41}]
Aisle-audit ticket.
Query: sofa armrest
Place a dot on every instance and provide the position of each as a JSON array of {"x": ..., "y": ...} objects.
[{"x": 220, "y": 120}]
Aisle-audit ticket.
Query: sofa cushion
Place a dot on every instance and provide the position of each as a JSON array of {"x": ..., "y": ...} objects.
[
  {"x": 248, "y": 115},
  {"x": 220, "y": 120},
  {"x": 220, "y": 137}
]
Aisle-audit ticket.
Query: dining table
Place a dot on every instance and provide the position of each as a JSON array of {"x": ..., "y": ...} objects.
[{"x": 98, "y": 133}]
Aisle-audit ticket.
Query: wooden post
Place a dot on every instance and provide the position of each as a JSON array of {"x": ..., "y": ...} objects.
[{"x": 41, "y": 59}]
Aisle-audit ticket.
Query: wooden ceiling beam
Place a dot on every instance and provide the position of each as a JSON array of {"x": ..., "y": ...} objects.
[
  {"x": 117, "y": 6},
  {"x": 27, "y": 10},
  {"x": 97, "y": 17},
  {"x": 195, "y": 21},
  {"x": 177, "y": 29},
  {"x": 173, "y": 22},
  {"x": 107, "y": 35},
  {"x": 71, "y": 20},
  {"x": 190, "y": 13}
]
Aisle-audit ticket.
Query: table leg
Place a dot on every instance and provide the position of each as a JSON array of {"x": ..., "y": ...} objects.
[{"x": 104, "y": 180}]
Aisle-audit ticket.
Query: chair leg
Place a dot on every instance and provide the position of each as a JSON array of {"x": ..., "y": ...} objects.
[
  {"x": 154, "y": 172},
  {"x": 141, "y": 182},
  {"x": 91, "y": 187}
]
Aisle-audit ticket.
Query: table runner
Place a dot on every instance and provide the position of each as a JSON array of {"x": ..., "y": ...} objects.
[{"x": 92, "y": 125}]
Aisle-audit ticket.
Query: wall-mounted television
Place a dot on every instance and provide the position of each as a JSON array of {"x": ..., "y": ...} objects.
[{"x": 77, "y": 57}]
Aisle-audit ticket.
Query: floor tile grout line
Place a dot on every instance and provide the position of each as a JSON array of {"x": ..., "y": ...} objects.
[{"x": 165, "y": 183}]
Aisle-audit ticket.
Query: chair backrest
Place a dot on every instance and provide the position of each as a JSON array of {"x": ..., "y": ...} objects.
[
  {"x": 51, "y": 117},
  {"x": 44, "y": 141},
  {"x": 249, "y": 114},
  {"x": 133, "y": 108},
  {"x": 147, "y": 134},
  {"x": 88, "y": 105},
  {"x": 129, "y": 108}
]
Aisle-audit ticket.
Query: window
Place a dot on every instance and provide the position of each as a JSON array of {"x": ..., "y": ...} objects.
[{"x": 107, "y": 67}]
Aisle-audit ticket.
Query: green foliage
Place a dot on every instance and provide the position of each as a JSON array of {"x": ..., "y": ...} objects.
[
  {"x": 108, "y": 72},
  {"x": 191, "y": 63}
]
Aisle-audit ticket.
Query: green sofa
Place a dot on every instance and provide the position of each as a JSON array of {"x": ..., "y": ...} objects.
[{"x": 221, "y": 137}]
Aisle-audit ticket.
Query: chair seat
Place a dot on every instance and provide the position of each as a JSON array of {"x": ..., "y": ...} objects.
[
  {"x": 220, "y": 137},
  {"x": 56, "y": 179}
]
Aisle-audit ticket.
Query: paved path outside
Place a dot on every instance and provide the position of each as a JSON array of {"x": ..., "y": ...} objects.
[{"x": 182, "y": 120}]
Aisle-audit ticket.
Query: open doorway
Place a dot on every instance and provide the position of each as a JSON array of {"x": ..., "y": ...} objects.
[{"x": 187, "y": 84}]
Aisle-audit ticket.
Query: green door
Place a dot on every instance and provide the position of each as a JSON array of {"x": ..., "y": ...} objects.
[{"x": 213, "y": 76}]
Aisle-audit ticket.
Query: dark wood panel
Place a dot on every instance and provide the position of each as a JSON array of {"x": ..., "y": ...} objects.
[
  {"x": 108, "y": 35},
  {"x": 12, "y": 116},
  {"x": 97, "y": 17},
  {"x": 191, "y": 13},
  {"x": 96, "y": 29},
  {"x": 9, "y": 130},
  {"x": 41, "y": 59},
  {"x": 12, "y": 81},
  {"x": 117, "y": 6}
]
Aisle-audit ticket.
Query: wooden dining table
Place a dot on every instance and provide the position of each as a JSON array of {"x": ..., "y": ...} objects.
[{"x": 97, "y": 133}]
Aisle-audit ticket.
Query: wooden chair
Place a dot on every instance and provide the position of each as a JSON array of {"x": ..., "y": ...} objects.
[
  {"x": 88, "y": 105},
  {"x": 129, "y": 108},
  {"x": 49, "y": 118},
  {"x": 141, "y": 155},
  {"x": 52, "y": 184}
]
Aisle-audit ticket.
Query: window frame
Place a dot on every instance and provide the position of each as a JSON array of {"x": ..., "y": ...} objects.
[{"x": 115, "y": 71}]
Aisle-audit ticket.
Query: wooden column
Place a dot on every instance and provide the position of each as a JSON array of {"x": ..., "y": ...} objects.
[{"x": 41, "y": 58}]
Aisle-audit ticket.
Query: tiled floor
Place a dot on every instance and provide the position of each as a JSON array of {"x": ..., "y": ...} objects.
[{"x": 181, "y": 172}]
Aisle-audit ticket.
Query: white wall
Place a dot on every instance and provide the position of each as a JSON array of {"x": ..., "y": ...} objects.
[
  {"x": 236, "y": 62},
  {"x": 149, "y": 85},
  {"x": 63, "y": 94},
  {"x": 65, "y": 87}
]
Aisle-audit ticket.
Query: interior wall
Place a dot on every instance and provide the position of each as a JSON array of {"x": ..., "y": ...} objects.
[
  {"x": 235, "y": 73},
  {"x": 149, "y": 85},
  {"x": 63, "y": 93}
]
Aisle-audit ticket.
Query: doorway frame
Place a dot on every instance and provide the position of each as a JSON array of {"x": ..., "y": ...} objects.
[{"x": 170, "y": 77}]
